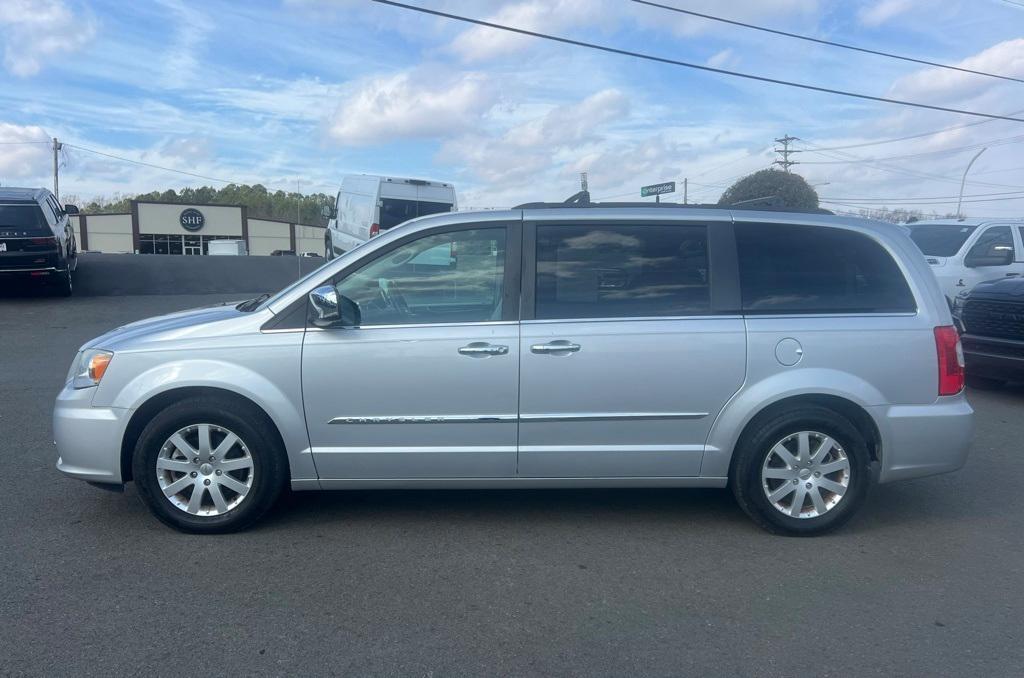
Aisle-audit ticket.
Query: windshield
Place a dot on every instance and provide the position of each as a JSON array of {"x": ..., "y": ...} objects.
[
  {"x": 394, "y": 211},
  {"x": 943, "y": 240},
  {"x": 27, "y": 219}
]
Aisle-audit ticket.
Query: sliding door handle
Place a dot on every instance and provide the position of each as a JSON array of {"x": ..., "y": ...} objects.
[
  {"x": 559, "y": 346},
  {"x": 480, "y": 349}
]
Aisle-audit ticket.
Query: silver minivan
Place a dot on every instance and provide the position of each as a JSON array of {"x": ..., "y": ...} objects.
[{"x": 795, "y": 358}]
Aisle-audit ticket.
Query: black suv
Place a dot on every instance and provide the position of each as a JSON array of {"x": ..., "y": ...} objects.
[
  {"x": 37, "y": 240},
  {"x": 991, "y": 318}
]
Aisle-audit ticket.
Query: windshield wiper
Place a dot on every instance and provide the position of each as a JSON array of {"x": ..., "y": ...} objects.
[{"x": 253, "y": 303}]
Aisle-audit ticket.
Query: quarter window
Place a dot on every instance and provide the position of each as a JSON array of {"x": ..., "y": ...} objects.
[
  {"x": 810, "y": 269},
  {"x": 441, "y": 278},
  {"x": 621, "y": 271}
]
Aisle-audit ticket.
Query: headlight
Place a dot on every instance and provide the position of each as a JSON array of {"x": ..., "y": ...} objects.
[
  {"x": 958, "y": 302},
  {"x": 89, "y": 367}
]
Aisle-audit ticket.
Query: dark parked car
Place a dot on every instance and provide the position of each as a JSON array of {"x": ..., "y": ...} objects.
[
  {"x": 37, "y": 241},
  {"x": 991, "y": 317}
]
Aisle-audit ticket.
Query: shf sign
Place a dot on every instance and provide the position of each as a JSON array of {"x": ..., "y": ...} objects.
[{"x": 658, "y": 189}]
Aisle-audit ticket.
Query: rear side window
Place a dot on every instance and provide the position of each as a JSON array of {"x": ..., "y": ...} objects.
[
  {"x": 395, "y": 211},
  {"x": 621, "y": 271},
  {"x": 809, "y": 269},
  {"x": 22, "y": 219}
]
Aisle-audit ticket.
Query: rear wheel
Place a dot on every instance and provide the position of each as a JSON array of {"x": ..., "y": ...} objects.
[
  {"x": 206, "y": 465},
  {"x": 62, "y": 287},
  {"x": 802, "y": 472}
]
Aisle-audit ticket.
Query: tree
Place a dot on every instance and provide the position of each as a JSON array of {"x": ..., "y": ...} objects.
[
  {"x": 771, "y": 187},
  {"x": 261, "y": 203}
]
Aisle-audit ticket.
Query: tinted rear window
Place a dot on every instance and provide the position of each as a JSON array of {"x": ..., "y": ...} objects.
[
  {"x": 940, "y": 241},
  {"x": 27, "y": 219},
  {"x": 809, "y": 269},
  {"x": 621, "y": 271},
  {"x": 394, "y": 211}
]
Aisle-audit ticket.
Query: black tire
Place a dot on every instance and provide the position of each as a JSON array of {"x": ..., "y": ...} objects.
[
  {"x": 328, "y": 250},
  {"x": 984, "y": 383},
  {"x": 270, "y": 468},
  {"x": 63, "y": 287},
  {"x": 755, "y": 447}
]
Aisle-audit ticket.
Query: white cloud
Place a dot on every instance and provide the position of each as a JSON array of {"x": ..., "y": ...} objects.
[
  {"x": 414, "y": 104},
  {"x": 882, "y": 11},
  {"x": 942, "y": 84},
  {"x": 181, "y": 64},
  {"x": 727, "y": 58},
  {"x": 550, "y": 16},
  {"x": 34, "y": 31},
  {"x": 20, "y": 161}
]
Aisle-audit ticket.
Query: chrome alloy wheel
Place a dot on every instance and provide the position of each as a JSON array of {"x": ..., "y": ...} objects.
[
  {"x": 805, "y": 475},
  {"x": 205, "y": 470}
]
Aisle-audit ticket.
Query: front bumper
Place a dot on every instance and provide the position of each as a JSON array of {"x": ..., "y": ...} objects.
[
  {"x": 88, "y": 438},
  {"x": 994, "y": 358},
  {"x": 923, "y": 440}
]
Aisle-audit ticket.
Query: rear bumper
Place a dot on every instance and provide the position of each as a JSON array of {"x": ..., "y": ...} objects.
[
  {"x": 924, "y": 440},
  {"x": 88, "y": 438},
  {"x": 995, "y": 358}
]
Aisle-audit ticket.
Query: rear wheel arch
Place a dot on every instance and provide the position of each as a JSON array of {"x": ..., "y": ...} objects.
[
  {"x": 145, "y": 413},
  {"x": 852, "y": 411}
]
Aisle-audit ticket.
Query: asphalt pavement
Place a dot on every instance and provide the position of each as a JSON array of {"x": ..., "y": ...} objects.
[{"x": 927, "y": 581}]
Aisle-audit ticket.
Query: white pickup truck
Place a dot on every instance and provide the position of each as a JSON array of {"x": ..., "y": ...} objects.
[{"x": 965, "y": 252}]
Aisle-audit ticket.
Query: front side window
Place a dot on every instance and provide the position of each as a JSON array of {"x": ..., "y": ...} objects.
[
  {"x": 810, "y": 269},
  {"x": 441, "y": 278},
  {"x": 621, "y": 271},
  {"x": 993, "y": 243}
]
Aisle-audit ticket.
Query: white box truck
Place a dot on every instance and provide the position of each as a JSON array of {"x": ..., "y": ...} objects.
[{"x": 232, "y": 248}]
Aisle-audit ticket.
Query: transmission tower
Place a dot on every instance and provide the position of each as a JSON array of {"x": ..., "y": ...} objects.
[{"x": 785, "y": 152}]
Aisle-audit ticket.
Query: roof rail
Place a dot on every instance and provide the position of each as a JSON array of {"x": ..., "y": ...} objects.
[{"x": 665, "y": 205}]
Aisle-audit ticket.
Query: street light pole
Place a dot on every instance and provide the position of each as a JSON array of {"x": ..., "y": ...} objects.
[{"x": 963, "y": 181}]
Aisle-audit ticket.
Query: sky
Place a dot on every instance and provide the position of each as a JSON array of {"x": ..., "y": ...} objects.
[{"x": 296, "y": 93}]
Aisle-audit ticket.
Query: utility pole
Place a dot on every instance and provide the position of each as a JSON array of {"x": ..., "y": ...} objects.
[
  {"x": 685, "y": 190},
  {"x": 56, "y": 182},
  {"x": 785, "y": 152}
]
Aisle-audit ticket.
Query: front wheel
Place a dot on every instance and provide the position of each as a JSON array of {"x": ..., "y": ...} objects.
[
  {"x": 206, "y": 465},
  {"x": 802, "y": 472}
]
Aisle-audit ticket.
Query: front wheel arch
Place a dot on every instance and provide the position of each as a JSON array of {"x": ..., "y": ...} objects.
[{"x": 142, "y": 416}]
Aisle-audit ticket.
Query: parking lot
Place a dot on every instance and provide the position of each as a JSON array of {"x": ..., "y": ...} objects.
[{"x": 928, "y": 580}]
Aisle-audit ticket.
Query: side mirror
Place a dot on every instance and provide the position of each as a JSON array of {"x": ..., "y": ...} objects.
[
  {"x": 328, "y": 308},
  {"x": 1000, "y": 257},
  {"x": 71, "y": 209}
]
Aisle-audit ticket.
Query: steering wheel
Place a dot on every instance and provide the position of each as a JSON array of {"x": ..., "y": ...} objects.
[{"x": 391, "y": 293}]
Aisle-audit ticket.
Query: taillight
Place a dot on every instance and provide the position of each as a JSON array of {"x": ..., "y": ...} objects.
[
  {"x": 374, "y": 230},
  {"x": 951, "y": 360}
]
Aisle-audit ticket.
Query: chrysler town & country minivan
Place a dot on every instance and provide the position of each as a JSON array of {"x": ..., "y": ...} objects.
[{"x": 795, "y": 358}]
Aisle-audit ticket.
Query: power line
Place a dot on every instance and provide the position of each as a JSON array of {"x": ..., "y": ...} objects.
[
  {"x": 151, "y": 165},
  {"x": 22, "y": 143},
  {"x": 912, "y": 136},
  {"x": 686, "y": 64},
  {"x": 830, "y": 43},
  {"x": 924, "y": 154},
  {"x": 1008, "y": 195}
]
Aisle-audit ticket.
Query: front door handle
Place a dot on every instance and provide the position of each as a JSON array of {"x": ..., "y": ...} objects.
[
  {"x": 558, "y": 346},
  {"x": 480, "y": 349}
]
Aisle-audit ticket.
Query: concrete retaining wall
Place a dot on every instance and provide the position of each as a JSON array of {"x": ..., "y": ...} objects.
[{"x": 134, "y": 274}]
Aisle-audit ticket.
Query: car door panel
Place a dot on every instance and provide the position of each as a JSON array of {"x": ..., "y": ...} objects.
[
  {"x": 424, "y": 397},
  {"x": 624, "y": 359},
  {"x": 636, "y": 400}
]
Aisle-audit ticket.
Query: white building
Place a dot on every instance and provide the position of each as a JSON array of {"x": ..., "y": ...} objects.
[{"x": 175, "y": 228}]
